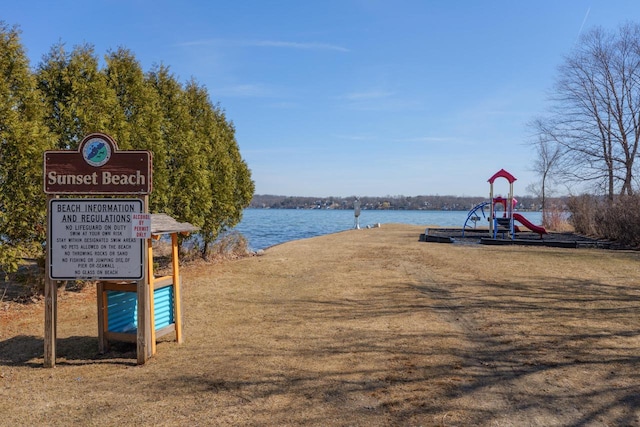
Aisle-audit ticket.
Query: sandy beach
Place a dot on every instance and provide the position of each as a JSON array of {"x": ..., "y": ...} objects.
[{"x": 365, "y": 327}]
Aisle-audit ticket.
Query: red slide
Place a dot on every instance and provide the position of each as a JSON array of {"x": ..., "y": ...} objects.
[{"x": 524, "y": 221}]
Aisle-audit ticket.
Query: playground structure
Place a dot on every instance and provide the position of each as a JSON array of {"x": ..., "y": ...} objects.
[
  {"x": 503, "y": 225},
  {"x": 501, "y": 216}
]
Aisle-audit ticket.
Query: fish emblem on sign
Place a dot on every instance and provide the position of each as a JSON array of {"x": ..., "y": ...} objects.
[{"x": 96, "y": 152}]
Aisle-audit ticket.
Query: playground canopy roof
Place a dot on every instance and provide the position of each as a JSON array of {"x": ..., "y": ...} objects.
[{"x": 502, "y": 174}]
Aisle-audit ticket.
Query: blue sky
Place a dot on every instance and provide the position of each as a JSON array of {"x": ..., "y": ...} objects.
[{"x": 351, "y": 97}]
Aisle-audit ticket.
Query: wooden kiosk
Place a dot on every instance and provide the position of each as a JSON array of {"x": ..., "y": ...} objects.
[{"x": 117, "y": 301}]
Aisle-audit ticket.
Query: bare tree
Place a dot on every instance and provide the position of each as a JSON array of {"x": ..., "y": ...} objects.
[
  {"x": 546, "y": 163},
  {"x": 595, "y": 113}
]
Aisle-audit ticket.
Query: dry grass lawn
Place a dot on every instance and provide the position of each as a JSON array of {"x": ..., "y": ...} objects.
[{"x": 360, "y": 328}]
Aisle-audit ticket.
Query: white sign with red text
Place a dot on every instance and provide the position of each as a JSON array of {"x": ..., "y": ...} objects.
[{"x": 141, "y": 226}]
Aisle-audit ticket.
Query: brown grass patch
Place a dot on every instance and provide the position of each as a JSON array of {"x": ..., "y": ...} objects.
[{"x": 364, "y": 327}]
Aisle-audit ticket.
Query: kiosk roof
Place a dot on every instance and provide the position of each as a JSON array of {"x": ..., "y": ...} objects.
[{"x": 164, "y": 224}]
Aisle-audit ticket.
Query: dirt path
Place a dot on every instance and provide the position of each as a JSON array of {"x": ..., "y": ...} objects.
[{"x": 366, "y": 327}]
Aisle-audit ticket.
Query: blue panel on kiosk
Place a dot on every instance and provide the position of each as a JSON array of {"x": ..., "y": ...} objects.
[
  {"x": 163, "y": 307},
  {"x": 123, "y": 310}
]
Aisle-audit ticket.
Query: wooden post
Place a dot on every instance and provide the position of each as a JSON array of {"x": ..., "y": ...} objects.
[
  {"x": 142, "y": 337},
  {"x": 144, "y": 316},
  {"x": 103, "y": 319},
  {"x": 50, "y": 306},
  {"x": 50, "y": 320},
  {"x": 151, "y": 280},
  {"x": 176, "y": 286}
]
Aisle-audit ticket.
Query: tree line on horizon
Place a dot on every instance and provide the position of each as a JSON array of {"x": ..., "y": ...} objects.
[
  {"x": 434, "y": 202},
  {"x": 199, "y": 175}
]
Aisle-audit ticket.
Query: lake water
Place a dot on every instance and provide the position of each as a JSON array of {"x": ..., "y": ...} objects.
[{"x": 267, "y": 227}]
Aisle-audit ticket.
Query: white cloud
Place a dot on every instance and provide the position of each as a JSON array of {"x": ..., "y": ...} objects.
[
  {"x": 363, "y": 96},
  {"x": 426, "y": 139},
  {"x": 245, "y": 90},
  {"x": 285, "y": 105},
  {"x": 296, "y": 45},
  {"x": 355, "y": 137},
  {"x": 264, "y": 43}
]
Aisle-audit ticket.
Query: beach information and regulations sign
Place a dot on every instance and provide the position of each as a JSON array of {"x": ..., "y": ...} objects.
[{"x": 95, "y": 239}]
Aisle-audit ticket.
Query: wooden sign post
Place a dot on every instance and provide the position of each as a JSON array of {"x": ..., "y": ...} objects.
[{"x": 94, "y": 238}]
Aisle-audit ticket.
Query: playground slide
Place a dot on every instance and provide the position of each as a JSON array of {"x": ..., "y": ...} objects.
[{"x": 531, "y": 226}]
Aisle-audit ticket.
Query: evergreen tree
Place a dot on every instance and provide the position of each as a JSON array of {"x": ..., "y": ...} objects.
[
  {"x": 227, "y": 175},
  {"x": 138, "y": 120},
  {"x": 23, "y": 139},
  {"x": 236, "y": 177},
  {"x": 185, "y": 164},
  {"x": 76, "y": 95}
]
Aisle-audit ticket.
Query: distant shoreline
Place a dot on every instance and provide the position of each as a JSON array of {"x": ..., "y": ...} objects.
[{"x": 422, "y": 203}]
